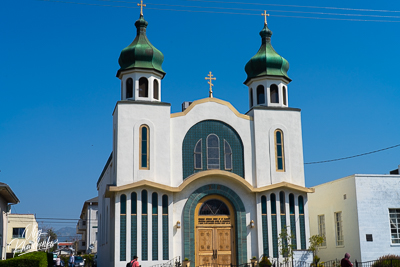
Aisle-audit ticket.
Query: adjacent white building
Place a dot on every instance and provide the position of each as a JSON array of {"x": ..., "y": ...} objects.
[
  {"x": 358, "y": 214},
  {"x": 7, "y": 197},
  {"x": 22, "y": 233},
  {"x": 208, "y": 183},
  {"x": 87, "y": 226}
]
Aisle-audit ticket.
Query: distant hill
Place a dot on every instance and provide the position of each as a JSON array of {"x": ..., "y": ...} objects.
[{"x": 67, "y": 234}]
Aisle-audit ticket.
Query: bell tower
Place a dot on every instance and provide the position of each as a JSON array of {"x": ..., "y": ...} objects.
[
  {"x": 140, "y": 67},
  {"x": 267, "y": 77}
]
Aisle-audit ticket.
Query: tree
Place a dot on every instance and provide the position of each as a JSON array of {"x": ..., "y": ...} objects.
[
  {"x": 286, "y": 245},
  {"x": 315, "y": 242}
]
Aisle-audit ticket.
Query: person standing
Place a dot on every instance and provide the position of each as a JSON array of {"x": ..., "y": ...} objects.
[
  {"x": 71, "y": 260},
  {"x": 58, "y": 261},
  {"x": 345, "y": 262},
  {"x": 134, "y": 262}
]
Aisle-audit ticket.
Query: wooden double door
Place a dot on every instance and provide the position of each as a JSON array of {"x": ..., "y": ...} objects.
[{"x": 215, "y": 233}]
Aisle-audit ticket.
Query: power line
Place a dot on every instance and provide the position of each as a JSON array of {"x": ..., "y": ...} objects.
[
  {"x": 248, "y": 14},
  {"x": 359, "y": 155}
]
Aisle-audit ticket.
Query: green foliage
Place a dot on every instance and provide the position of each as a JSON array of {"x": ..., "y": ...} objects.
[
  {"x": 186, "y": 259},
  {"x": 88, "y": 259},
  {"x": 315, "y": 242},
  {"x": 32, "y": 259},
  {"x": 387, "y": 261},
  {"x": 254, "y": 258},
  {"x": 286, "y": 246},
  {"x": 316, "y": 262},
  {"x": 264, "y": 262}
]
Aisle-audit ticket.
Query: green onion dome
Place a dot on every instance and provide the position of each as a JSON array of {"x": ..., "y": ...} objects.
[
  {"x": 141, "y": 54},
  {"x": 266, "y": 62}
]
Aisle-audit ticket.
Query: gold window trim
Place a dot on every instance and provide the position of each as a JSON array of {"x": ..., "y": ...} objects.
[
  {"x": 276, "y": 151},
  {"x": 148, "y": 147}
]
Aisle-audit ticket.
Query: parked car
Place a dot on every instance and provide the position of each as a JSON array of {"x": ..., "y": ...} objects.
[{"x": 79, "y": 261}]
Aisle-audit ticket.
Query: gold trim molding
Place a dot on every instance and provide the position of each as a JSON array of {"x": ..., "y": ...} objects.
[
  {"x": 216, "y": 100},
  {"x": 111, "y": 189}
]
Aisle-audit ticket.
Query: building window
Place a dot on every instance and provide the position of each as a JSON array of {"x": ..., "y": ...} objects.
[
  {"x": 284, "y": 95},
  {"x": 134, "y": 223},
  {"x": 264, "y": 220},
  {"x": 155, "y": 90},
  {"x": 122, "y": 242},
  {"x": 260, "y": 95},
  {"x": 154, "y": 203},
  {"x": 292, "y": 221},
  {"x": 282, "y": 202},
  {"x": 144, "y": 226},
  {"x": 129, "y": 88},
  {"x": 394, "y": 215},
  {"x": 279, "y": 153},
  {"x": 251, "y": 97},
  {"x": 228, "y": 156},
  {"x": 274, "y": 227},
  {"x": 198, "y": 161},
  {"x": 212, "y": 152},
  {"x": 144, "y": 147},
  {"x": 18, "y": 233},
  {"x": 274, "y": 93},
  {"x": 339, "y": 229},
  {"x": 165, "y": 227},
  {"x": 143, "y": 87},
  {"x": 302, "y": 223},
  {"x": 321, "y": 228}
]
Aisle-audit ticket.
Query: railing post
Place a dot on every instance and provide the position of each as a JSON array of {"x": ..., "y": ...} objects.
[{"x": 356, "y": 263}]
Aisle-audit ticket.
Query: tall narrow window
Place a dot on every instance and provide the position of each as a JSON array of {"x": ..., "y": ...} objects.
[
  {"x": 339, "y": 229},
  {"x": 321, "y": 228},
  {"x": 198, "y": 161},
  {"x": 165, "y": 227},
  {"x": 129, "y": 88},
  {"x": 260, "y": 95},
  {"x": 282, "y": 203},
  {"x": 264, "y": 219},
  {"x": 143, "y": 87},
  {"x": 292, "y": 220},
  {"x": 144, "y": 147},
  {"x": 122, "y": 229},
  {"x": 251, "y": 97},
  {"x": 155, "y": 90},
  {"x": 212, "y": 152},
  {"x": 228, "y": 155},
  {"x": 274, "y": 93},
  {"x": 279, "y": 153},
  {"x": 154, "y": 204},
  {"x": 302, "y": 223},
  {"x": 284, "y": 95},
  {"x": 144, "y": 226},
  {"x": 274, "y": 227},
  {"x": 134, "y": 223},
  {"x": 394, "y": 215}
]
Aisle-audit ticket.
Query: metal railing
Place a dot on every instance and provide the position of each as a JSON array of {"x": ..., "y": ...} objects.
[{"x": 175, "y": 262}]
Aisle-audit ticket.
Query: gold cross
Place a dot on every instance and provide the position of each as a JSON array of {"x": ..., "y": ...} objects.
[
  {"x": 210, "y": 83},
  {"x": 141, "y": 7},
  {"x": 265, "y": 16}
]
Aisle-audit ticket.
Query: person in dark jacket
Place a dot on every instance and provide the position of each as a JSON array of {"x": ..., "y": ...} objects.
[{"x": 345, "y": 262}]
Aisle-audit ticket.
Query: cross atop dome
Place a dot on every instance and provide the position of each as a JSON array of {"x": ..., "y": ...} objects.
[
  {"x": 210, "y": 78},
  {"x": 141, "y": 7},
  {"x": 265, "y": 16}
]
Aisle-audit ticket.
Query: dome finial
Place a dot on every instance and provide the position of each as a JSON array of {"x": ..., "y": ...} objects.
[
  {"x": 141, "y": 7},
  {"x": 265, "y": 16},
  {"x": 210, "y": 78}
]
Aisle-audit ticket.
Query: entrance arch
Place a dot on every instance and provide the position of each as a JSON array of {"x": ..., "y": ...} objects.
[
  {"x": 188, "y": 218},
  {"x": 214, "y": 231}
]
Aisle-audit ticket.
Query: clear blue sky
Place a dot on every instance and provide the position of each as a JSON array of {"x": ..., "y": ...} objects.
[{"x": 58, "y": 84}]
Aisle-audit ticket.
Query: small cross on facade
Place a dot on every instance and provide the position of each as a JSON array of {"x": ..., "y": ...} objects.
[
  {"x": 141, "y": 7},
  {"x": 265, "y": 16},
  {"x": 210, "y": 78}
]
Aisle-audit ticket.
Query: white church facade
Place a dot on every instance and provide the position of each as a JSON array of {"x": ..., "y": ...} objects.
[{"x": 209, "y": 184}]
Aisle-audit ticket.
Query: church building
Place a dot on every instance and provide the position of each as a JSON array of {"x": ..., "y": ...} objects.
[{"x": 209, "y": 184}]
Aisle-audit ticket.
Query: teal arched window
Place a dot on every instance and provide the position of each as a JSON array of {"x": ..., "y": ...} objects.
[
  {"x": 144, "y": 149},
  {"x": 212, "y": 152},
  {"x": 143, "y": 87},
  {"x": 260, "y": 95},
  {"x": 129, "y": 88},
  {"x": 279, "y": 152}
]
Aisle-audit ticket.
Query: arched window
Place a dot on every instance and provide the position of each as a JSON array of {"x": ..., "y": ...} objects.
[
  {"x": 165, "y": 228},
  {"x": 144, "y": 149},
  {"x": 198, "y": 161},
  {"x": 212, "y": 152},
  {"x": 282, "y": 202},
  {"x": 143, "y": 87},
  {"x": 301, "y": 205},
  {"x": 274, "y": 226},
  {"x": 251, "y": 97},
  {"x": 155, "y": 90},
  {"x": 260, "y": 95},
  {"x": 228, "y": 155},
  {"x": 284, "y": 95},
  {"x": 123, "y": 205},
  {"x": 273, "y": 204},
  {"x": 214, "y": 207},
  {"x": 279, "y": 152},
  {"x": 291, "y": 204},
  {"x": 129, "y": 88},
  {"x": 274, "y": 93},
  {"x": 302, "y": 223},
  {"x": 154, "y": 219},
  {"x": 292, "y": 221},
  {"x": 144, "y": 202}
]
